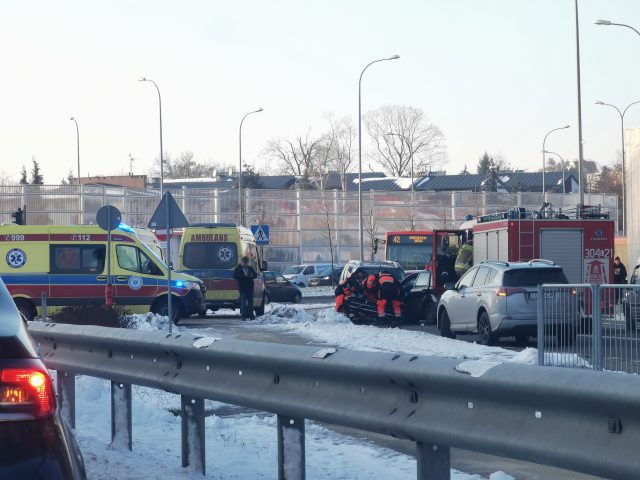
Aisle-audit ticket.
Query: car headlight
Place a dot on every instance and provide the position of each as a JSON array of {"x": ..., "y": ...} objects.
[{"x": 326, "y": 278}]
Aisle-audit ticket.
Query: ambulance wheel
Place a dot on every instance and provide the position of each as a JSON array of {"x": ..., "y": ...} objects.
[
  {"x": 26, "y": 308},
  {"x": 260, "y": 310},
  {"x": 161, "y": 307}
]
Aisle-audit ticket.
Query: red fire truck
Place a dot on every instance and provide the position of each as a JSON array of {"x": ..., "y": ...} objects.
[{"x": 582, "y": 245}]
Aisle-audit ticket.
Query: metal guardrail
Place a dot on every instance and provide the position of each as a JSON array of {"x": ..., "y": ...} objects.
[
  {"x": 579, "y": 420},
  {"x": 589, "y": 326}
]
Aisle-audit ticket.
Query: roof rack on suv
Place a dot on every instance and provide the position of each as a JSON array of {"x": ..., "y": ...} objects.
[
  {"x": 496, "y": 261},
  {"x": 541, "y": 260}
]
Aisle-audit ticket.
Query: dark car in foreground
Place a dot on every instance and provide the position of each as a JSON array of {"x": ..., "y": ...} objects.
[
  {"x": 34, "y": 441},
  {"x": 279, "y": 289}
]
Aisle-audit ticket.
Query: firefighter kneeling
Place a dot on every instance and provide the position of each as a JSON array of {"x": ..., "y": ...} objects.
[
  {"x": 388, "y": 291},
  {"x": 349, "y": 287}
]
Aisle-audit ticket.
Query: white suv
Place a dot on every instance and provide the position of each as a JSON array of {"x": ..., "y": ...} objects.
[
  {"x": 301, "y": 274},
  {"x": 500, "y": 299}
]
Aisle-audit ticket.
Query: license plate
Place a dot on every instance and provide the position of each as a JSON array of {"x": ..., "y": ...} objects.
[{"x": 534, "y": 295}]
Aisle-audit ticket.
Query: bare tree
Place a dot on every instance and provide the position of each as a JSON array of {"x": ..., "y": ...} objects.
[
  {"x": 186, "y": 166},
  {"x": 295, "y": 157},
  {"x": 342, "y": 156},
  {"x": 6, "y": 179},
  {"x": 370, "y": 225},
  {"x": 413, "y": 136}
]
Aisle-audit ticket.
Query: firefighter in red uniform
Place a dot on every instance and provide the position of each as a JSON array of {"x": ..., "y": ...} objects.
[
  {"x": 388, "y": 291},
  {"x": 351, "y": 286},
  {"x": 370, "y": 288}
]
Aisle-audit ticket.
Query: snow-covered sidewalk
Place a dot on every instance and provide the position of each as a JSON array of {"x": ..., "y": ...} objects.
[{"x": 238, "y": 447}]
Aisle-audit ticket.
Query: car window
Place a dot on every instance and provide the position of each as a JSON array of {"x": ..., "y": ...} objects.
[
  {"x": 492, "y": 278},
  {"x": 531, "y": 277},
  {"x": 481, "y": 277},
  {"x": 423, "y": 279},
  {"x": 135, "y": 260},
  {"x": 309, "y": 271},
  {"x": 77, "y": 259},
  {"x": 467, "y": 279},
  {"x": 210, "y": 255},
  {"x": 269, "y": 277},
  {"x": 293, "y": 270}
]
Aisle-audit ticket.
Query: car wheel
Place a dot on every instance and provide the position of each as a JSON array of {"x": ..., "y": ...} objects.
[
  {"x": 260, "y": 310},
  {"x": 429, "y": 314},
  {"x": 445, "y": 325},
  {"x": 161, "y": 307},
  {"x": 522, "y": 340},
  {"x": 297, "y": 298},
  {"x": 202, "y": 313},
  {"x": 26, "y": 308},
  {"x": 485, "y": 335},
  {"x": 301, "y": 285}
]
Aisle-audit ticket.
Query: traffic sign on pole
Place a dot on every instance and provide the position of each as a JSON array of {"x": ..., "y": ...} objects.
[
  {"x": 108, "y": 218},
  {"x": 261, "y": 234},
  {"x": 168, "y": 215}
]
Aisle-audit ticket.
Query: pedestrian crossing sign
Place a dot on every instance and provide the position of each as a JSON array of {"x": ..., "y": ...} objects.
[{"x": 261, "y": 234}]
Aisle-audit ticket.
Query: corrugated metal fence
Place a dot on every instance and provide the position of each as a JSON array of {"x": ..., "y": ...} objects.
[{"x": 302, "y": 221}]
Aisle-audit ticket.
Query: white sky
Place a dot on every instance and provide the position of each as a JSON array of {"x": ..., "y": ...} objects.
[{"x": 494, "y": 75}]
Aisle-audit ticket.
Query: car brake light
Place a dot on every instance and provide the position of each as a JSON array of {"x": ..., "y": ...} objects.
[
  {"x": 22, "y": 387},
  {"x": 507, "y": 291}
]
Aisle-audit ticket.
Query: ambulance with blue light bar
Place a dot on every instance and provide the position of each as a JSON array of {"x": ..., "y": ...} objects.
[{"x": 67, "y": 264}]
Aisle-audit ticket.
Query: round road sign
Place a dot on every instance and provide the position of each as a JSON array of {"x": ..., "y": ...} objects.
[{"x": 108, "y": 218}]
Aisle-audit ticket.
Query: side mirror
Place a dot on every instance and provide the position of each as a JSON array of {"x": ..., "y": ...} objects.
[
  {"x": 449, "y": 286},
  {"x": 264, "y": 266}
]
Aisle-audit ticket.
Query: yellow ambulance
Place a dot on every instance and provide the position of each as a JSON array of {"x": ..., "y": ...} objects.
[
  {"x": 68, "y": 265},
  {"x": 210, "y": 252}
]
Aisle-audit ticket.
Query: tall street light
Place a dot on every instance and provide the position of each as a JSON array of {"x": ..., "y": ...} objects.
[
  {"x": 360, "y": 218},
  {"x": 240, "y": 165},
  {"x": 607, "y": 22},
  {"x": 544, "y": 151},
  {"x": 143, "y": 79},
  {"x": 77, "y": 145},
  {"x": 579, "y": 91},
  {"x": 624, "y": 177},
  {"x": 564, "y": 190},
  {"x": 413, "y": 200}
]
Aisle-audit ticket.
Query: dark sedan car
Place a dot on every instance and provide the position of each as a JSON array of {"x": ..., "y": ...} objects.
[
  {"x": 34, "y": 441},
  {"x": 279, "y": 289},
  {"x": 420, "y": 301},
  {"x": 327, "y": 280}
]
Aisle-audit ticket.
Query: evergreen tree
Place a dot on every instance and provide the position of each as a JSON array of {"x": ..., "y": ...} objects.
[
  {"x": 484, "y": 164},
  {"x": 36, "y": 176},
  {"x": 23, "y": 176}
]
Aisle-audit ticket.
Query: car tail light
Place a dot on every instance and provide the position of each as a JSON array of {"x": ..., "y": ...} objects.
[
  {"x": 23, "y": 388},
  {"x": 507, "y": 291}
]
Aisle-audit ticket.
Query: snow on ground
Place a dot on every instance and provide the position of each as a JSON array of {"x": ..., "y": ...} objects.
[
  {"x": 328, "y": 326},
  {"x": 237, "y": 447}
]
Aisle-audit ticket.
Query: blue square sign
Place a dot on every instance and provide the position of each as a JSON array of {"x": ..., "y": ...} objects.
[{"x": 261, "y": 233}]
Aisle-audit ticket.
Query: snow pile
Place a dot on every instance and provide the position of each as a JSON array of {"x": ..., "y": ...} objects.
[
  {"x": 284, "y": 314},
  {"x": 237, "y": 447},
  {"x": 148, "y": 322}
]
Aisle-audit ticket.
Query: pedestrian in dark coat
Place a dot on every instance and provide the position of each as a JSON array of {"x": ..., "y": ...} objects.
[{"x": 245, "y": 274}]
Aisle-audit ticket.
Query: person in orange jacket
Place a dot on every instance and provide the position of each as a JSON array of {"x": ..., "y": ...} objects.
[
  {"x": 351, "y": 286},
  {"x": 370, "y": 288},
  {"x": 388, "y": 291}
]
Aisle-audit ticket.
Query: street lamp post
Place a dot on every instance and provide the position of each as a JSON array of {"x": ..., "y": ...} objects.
[
  {"x": 607, "y": 22},
  {"x": 624, "y": 177},
  {"x": 360, "y": 218},
  {"x": 543, "y": 153},
  {"x": 77, "y": 145},
  {"x": 240, "y": 202},
  {"x": 413, "y": 200},
  {"x": 143, "y": 79},
  {"x": 579, "y": 91},
  {"x": 564, "y": 190}
]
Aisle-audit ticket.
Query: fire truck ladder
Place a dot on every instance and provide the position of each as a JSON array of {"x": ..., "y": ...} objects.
[{"x": 526, "y": 240}]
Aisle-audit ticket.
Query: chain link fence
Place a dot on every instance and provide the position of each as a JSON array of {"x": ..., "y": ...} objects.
[{"x": 306, "y": 225}]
